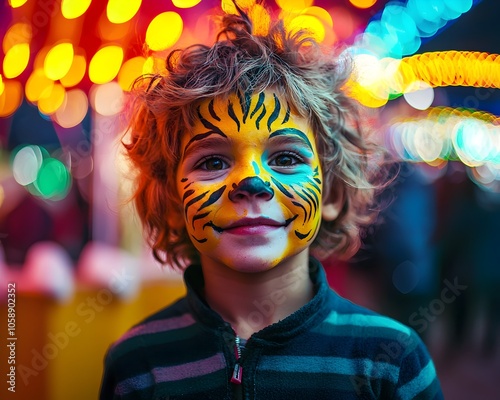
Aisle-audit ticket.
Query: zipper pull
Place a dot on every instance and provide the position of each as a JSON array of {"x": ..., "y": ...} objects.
[
  {"x": 238, "y": 369},
  {"x": 237, "y": 374}
]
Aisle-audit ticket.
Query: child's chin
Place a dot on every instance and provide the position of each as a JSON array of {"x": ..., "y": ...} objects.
[{"x": 254, "y": 264}]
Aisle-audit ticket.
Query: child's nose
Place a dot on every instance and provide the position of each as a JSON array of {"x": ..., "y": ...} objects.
[{"x": 251, "y": 187}]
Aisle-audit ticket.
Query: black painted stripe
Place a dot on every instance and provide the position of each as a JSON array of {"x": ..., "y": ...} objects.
[
  {"x": 302, "y": 236},
  {"x": 230, "y": 111},
  {"x": 315, "y": 204},
  {"x": 315, "y": 186},
  {"x": 275, "y": 114},
  {"x": 260, "y": 103},
  {"x": 306, "y": 200},
  {"x": 287, "y": 115},
  {"x": 213, "y": 197},
  {"x": 259, "y": 118},
  {"x": 187, "y": 194},
  {"x": 199, "y": 240},
  {"x": 314, "y": 194},
  {"x": 303, "y": 208},
  {"x": 199, "y": 216},
  {"x": 193, "y": 201},
  {"x": 245, "y": 100},
  {"x": 209, "y": 125},
  {"x": 211, "y": 110},
  {"x": 282, "y": 188}
]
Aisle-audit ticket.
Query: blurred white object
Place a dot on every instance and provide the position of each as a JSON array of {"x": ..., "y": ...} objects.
[
  {"x": 106, "y": 267},
  {"x": 48, "y": 269}
]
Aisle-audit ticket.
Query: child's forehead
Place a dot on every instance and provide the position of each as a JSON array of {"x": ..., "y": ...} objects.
[{"x": 262, "y": 111}]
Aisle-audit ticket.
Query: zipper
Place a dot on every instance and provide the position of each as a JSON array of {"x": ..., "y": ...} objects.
[{"x": 238, "y": 369}]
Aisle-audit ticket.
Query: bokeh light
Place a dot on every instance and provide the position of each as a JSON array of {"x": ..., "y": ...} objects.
[
  {"x": 16, "y": 60},
  {"x": 294, "y": 5},
  {"x": 76, "y": 72},
  {"x": 185, "y": 3},
  {"x": 52, "y": 99},
  {"x": 130, "y": 71},
  {"x": 105, "y": 64},
  {"x": 17, "y": 3},
  {"x": 26, "y": 163},
  {"x": 53, "y": 179},
  {"x": 20, "y": 32},
  {"x": 443, "y": 133},
  {"x": 164, "y": 31},
  {"x": 58, "y": 61},
  {"x": 107, "y": 99},
  {"x": 73, "y": 109},
  {"x": 37, "y": 84},
  {"x": 120, "y": 11},
  {"x": 419, "y": 95},
  {"x": 362, "y": 3},
  {"x": 72, "y": 9},
  {"x": 11, "y": 97}
]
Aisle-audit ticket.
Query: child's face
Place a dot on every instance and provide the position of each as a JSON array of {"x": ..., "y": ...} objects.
[{"x": 250, "y": 181}]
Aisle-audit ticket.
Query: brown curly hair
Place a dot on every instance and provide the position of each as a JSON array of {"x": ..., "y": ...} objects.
[{"x": 311, "y": 79}]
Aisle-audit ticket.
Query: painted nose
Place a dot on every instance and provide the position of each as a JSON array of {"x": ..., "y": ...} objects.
[{"x": 251, "y": 187}]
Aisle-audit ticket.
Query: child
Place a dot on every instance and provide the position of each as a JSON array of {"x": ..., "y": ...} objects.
[{"x": 249, "y": 155}]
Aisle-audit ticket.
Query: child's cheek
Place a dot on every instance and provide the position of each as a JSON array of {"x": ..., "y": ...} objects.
[
  {"x": 301, "y": 199},
  {"x": 200, "y": 203}
]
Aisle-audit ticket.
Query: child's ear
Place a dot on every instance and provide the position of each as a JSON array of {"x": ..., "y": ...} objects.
[{"x": 332, "y": 204}]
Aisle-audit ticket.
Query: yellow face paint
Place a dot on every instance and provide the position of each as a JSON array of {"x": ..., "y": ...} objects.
[{"x": 250, "y": 181}]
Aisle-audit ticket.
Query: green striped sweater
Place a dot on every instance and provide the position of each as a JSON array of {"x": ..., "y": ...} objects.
[{"x": 328, "y": 349}]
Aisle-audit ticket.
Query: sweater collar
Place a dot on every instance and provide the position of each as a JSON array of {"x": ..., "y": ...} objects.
[{"x": 301, "y": 320}]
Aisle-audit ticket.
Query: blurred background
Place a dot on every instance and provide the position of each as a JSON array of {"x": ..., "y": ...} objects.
[{"x": 428, "y": 72}]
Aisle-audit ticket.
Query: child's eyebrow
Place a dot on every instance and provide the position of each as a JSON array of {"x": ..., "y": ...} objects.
[
  {"x": 204, "y": 141},
  {"x": 293, "y": 132}
]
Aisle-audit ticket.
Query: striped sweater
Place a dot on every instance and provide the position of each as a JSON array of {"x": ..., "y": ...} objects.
[{"x": 328, "y": 349}]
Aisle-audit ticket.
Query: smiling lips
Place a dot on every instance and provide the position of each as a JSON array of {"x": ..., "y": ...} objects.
[{"x": 253, "y": 226}]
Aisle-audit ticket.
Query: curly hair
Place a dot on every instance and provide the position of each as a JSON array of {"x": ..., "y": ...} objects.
[{"x": 311, "y": 79}]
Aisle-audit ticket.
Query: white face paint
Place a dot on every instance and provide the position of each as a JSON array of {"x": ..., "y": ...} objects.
[{"x": 250, "y": 181}]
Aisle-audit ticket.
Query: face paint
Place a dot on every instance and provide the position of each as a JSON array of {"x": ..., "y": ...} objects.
[{"x": 250, "y": 182}]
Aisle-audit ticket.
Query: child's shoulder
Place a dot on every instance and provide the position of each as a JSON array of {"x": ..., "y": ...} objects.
[
  {"x": 171, "y": 321},
  {"x": 357, "y": 323}
]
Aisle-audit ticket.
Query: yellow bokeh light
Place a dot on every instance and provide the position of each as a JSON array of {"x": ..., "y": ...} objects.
[
  {"x": 130, "y": 71},
  {"x": 363, "y": 3},
  {"x": 51, "y": 100},
  {"x": 17, "y": 3},
  {"x": 16, "y": 60},
  {"x": 312, "y": 26},
  {"x": 73, "y": 110},
  {"x": 37, "y": 85},
  {"x": 105, "y": 64},
  {"x": 120, "y": 11},
  {"x": 58, "y": 61},
  {"x": 2, "y": 85},
  {"x": 71, "y": 9},
  {"x": 229, "y": 8},
  {"x": 294, "y": 5},
  {"x": 11, "y": 98},
  {"x": 17, "y": 33},
  {"x": 185, "y": 3},
  {"x": 76, "y": 72},
  {"x": 320, "y": 13},
  {"x": 164, "y": 31}
]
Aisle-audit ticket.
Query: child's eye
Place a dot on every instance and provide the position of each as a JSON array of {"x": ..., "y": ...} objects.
[
  {"x": 212, "y": 163},
  {"x": 287, "y": 159}
]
